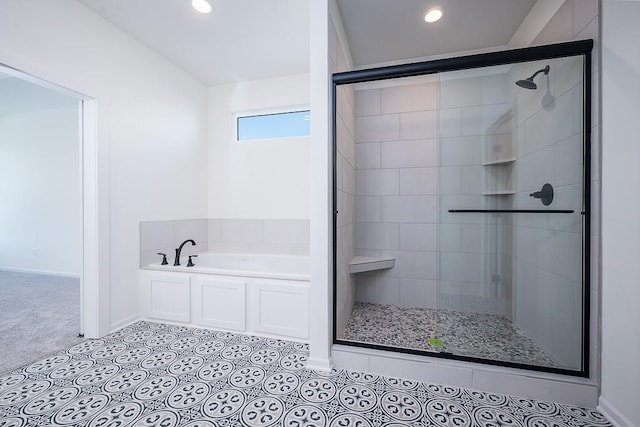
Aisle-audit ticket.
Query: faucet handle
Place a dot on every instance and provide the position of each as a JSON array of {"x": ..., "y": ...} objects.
[
  {"x": 164, "y": 258},
  {"x": 190, "y": 262}
]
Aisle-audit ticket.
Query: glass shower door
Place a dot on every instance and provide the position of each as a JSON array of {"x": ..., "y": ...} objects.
[{"x": 511, "y": 203}]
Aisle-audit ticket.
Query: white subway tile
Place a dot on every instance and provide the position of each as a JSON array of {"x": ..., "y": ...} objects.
[
  {"x": 471, "y": 179},
  {"x": 345, "y": 141},
  {"x": 449, "y": 181},
  {"x": 367, "y": 209},
  {"x": 242, "y": 230},
  {"x": 420, "y": 209},
  {"x": 403, "y": 154},
  {"x": 377, "y": 235},
  {"x": 156, "y": 234},
  {"x": 450, "y": 237},
  {"x": 195, "y": 229},
  {"x": 470, "y": 91},
  {"x": 367, "y": 102},
  {"x": 418, "y": 237},
  {"x": 292, "y": 231},
  {"x": 418, "y": 293},
  {"x": 377, "y": 289},
  {"x": 472, "y": 238},
  {"x": 413, "y": 264},
  {"x": 415, "y": 97},
  {"x": 460, "y": 267},
  {"x": 378, "y": 128},
  {"x": 418, "y": 125},
  {"x": 368, "y": 156},
  {"x": 419, "y": 181},
  {"x": 377, "y": 182},
  {"x": 461, "y": 150},
  {"x": 481, "y": 120},
  {"x": 450, "y": 122}
]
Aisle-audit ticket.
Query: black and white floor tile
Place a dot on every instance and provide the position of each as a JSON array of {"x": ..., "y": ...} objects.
[
  {"x": 485, "y": 336},
  {"x": 151, "y": 374}
]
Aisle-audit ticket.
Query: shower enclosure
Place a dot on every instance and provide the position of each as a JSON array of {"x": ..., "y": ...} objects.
[{"x": 461, "y": 198}]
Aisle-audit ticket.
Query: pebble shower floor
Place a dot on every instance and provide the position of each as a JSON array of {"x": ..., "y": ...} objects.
[{"x": 151, "y": 374}]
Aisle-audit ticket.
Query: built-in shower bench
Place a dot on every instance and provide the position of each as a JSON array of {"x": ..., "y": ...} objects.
[{"x": 361, "y": 264}]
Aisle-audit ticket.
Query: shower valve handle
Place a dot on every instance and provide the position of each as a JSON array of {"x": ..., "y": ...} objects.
[{"x": 545, "y": 194}]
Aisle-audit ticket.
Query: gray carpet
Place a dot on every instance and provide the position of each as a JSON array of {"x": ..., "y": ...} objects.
[{"x": 39, "y": 315}]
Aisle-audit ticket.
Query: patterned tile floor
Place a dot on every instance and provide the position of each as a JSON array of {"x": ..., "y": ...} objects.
[
  {"x": 151, "y": 374},
  {"x": 486, "y": 336}
]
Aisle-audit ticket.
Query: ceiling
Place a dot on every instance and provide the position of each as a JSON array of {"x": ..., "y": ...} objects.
[
  {"x": 256, "y": 39},
  {"x": 381, "y": 31},
  {"x": 241, "y": 40}
]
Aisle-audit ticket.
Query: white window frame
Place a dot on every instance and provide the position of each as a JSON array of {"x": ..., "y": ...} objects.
[{"x": 264, "y": 112}]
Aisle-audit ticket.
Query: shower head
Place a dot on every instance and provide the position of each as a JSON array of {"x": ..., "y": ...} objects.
[{"x": 528, "y": 83}]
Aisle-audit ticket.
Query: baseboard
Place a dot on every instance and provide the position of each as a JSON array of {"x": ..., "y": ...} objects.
[
  {"x": 124, "y": 322},
  {"x": 614, "y": 415},
  {"x": 43, "y": 272},
  {"x": 319, "y": 364}
]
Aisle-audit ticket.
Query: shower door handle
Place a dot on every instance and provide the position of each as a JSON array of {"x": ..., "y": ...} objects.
[{"x": 560, "y": 211}]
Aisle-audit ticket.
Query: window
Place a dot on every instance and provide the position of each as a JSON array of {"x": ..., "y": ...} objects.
[{"x": 272, "y": 125}]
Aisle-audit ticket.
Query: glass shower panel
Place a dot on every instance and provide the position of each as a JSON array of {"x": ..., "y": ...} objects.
[
  {"x": 460, "y": 214},
  {"x": 510, "y": 231}
]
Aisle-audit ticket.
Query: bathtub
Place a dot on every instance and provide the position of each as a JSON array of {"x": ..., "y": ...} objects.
[
  {"x": 268, "y": 266},
  {"x": 258, "y": 294}
]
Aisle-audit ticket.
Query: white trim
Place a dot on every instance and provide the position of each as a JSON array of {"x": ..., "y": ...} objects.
[
  {"x": 43, "y": 272},
  {"x": 320, "y": 230},
  {"x": 124, "y": 323},
  {"x": 613, "y": 414},
  {"x": 535, "y": 21},
  {"x": 94, "y": 294}
]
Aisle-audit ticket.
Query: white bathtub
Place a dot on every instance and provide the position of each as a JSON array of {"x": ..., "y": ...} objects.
[{"x": 268, "y": 266}]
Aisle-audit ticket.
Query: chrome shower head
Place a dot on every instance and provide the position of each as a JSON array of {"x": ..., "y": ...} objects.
[{"x": 528, "y": 83}]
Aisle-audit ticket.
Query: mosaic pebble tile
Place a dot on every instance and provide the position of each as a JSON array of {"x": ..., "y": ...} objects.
[
  {"x": 485, "y": 336},
  {"x": 151, "y": 374}
]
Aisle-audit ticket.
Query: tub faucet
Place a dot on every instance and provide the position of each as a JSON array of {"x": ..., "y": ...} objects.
[{"x": 179, "y": 249}]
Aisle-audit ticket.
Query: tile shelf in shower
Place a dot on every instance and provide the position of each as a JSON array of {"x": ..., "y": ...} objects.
[{"x": 361, "y": 264}]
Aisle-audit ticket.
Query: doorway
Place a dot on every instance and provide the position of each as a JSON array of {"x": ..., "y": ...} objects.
[{"x": 41, "y": 219}]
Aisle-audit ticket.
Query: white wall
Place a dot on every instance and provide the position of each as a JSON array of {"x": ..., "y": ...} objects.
[
  {"x": 151, "y": 124},
  {"x": 266, "y": 179},
  {"x": 620, "y": 207},
  {"x": 40, "y": 215}
]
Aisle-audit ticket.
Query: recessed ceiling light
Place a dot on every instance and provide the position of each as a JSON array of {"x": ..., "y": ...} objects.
[
  {"x": 433, "y": 14},
  {"x": 201, "y": 6}
]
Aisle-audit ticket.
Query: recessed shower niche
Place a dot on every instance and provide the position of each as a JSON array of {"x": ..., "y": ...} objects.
[{"x": 461, "y": 208}]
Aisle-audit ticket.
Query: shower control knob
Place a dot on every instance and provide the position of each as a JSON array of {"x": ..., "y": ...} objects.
[{"x": 545, "y": 194}]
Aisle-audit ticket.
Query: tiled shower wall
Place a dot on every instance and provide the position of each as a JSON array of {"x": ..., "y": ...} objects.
[
  {"x": 475, "y": 249},
  {"x": 396, "y": 191},
  {"x": 270, "y": 236},
  {"x": 345, "y": 159},
  {"x": 548, "y": 296}
]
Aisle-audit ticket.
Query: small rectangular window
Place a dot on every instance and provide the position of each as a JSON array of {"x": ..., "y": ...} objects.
[{"x": 272, "y": 125}]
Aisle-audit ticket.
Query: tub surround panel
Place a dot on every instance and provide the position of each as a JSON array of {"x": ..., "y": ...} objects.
[{"x": 258, "y": 236}]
